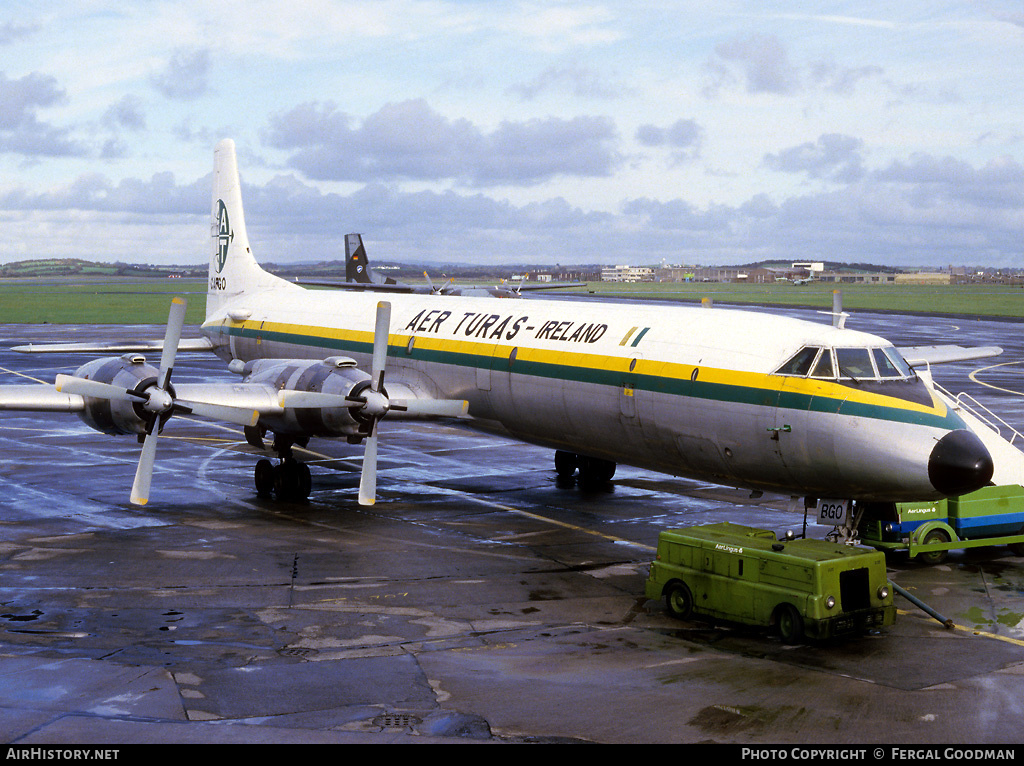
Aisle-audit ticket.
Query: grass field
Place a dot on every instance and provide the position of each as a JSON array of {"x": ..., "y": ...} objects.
[
  {"x": 977, "y": 300},
  {"x": 100, "y": 301},
  {"x": 146, "y": 301}
]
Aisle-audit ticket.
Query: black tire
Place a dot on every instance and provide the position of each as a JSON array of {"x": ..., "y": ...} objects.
[
  {"x": 292, "y": 480},
  {"x": 565, "y": 464},
  {"x": 1017, "y": 549},
  {"x": 934, "y": 557},
  {"x": 679, "y": 601},
  {"x": 264, "y": 476},
  {"x": 595, "y": 472},
  {"x": 789, "y": 624}
]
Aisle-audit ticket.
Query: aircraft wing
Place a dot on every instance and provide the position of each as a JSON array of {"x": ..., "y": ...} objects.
[
  {"x": 39, "y": 398},
  {"x": 919, "y": 356},
  {"x": 233, "y": 402},
  {"x": 186, "y": 344}
]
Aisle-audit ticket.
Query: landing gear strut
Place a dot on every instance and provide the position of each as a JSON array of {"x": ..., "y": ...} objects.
[
  {"x": 289, "y": 480},
  {"x": 845, "y": 514}
]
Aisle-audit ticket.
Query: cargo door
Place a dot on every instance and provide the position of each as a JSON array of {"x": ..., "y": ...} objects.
[{"x": 627, "y": 392}]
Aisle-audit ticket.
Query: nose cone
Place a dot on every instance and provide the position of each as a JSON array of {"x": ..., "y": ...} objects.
[{"x": 959, "y": 464}]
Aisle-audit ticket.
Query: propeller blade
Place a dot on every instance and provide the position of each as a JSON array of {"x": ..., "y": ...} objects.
[
  {"x": 158, "y": 401},
  {"x": 68, "y": 384},
  {"x": 237, "y": 415},
  {"x": 368, "y": 476},
  {"x": 175, "y": 323},
  {"x": 380, "y": 344},
  {"x": 144, "y": 472},
  {"x": 442, "y": 408}
]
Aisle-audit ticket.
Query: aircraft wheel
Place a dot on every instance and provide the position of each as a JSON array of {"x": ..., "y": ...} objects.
[
  {"x": 595, "y": 472},
  {"x": 679, "y": 601},
  {"x": 934, "y": 557},
  {"x": 264, "y": 475},
  {"x": 789, "y": 623},
  {"x": 565, "y": 464},
  {"x": 292, "y": 480}
]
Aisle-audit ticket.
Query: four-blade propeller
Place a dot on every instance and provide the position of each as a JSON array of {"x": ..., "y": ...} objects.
[
  {"x": 157, "y": 401},
  {"x": 373, "y": 403}
]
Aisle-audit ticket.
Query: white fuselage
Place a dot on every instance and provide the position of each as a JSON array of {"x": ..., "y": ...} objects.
[{"x": 686, "y": 391}]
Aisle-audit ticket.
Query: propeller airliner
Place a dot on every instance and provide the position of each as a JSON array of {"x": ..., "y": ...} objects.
[{"x": 738, "y": 398}]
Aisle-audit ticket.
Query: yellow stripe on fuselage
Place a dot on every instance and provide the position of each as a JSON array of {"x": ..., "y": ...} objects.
[{"x": 583, "y": 361}]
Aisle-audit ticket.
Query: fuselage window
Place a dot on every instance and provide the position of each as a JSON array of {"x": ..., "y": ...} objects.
[
  {"x": 855, "y": 363},
  {"x": 800, "y": 363}
]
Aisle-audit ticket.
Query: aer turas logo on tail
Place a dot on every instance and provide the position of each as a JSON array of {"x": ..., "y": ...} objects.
[{"x": 224, "y": 235}]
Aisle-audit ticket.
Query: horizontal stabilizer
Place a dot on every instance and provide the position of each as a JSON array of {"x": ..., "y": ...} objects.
[
  {"x": 189, "y": 344},
  {"x": 919, "y": 356},
  {"x": 372, "y": 286}
]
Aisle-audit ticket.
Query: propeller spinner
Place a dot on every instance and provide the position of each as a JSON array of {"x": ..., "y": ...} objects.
[{"x": 373, "y": 403}]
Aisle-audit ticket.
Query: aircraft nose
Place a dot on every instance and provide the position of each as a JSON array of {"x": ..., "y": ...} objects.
[{"x": 959, "y": 464}]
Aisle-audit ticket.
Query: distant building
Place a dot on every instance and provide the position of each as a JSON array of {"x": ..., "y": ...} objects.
[
  {"x": 676, "y": 274},
  {"x": 923, "y": 278},
  {"x": 857, "y": 277},
  {"x": 749, "y": 274},
  {"x": 812, "y": 266},
  {"x": 627, "y": 274}
]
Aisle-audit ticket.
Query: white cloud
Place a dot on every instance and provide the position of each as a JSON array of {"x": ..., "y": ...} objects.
[
  {"x": 409, "y": 140},
  {"x": 186, "y": 75},
  {"x": 451, "y": 129}
]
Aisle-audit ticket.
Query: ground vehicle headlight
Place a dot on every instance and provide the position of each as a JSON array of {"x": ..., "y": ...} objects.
[
  {"x": 830, "y": 602},
  {"x": 883, "y": 591}
]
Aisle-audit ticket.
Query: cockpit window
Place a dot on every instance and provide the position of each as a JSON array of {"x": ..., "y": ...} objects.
[
  {"x": 886, "y": 367},
  {"x": 824, "y": 368},
  {"x": 800, "y": 363},
  {"x": 901, "y": 364},
  {"x": 854, "y": 363}
]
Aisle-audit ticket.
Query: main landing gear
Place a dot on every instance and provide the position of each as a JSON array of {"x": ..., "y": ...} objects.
[
  {"x": 288, "y": 480},
  {"x": 593, "y": 472}
]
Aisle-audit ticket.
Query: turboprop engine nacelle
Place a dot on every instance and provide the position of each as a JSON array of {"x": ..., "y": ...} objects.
[
  {"x": 337, "y": 376},
  {"x": 118, "y": 416}
]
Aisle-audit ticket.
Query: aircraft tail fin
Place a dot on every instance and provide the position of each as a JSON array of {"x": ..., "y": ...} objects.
[
  {"x": 357, "y": 268},
  {"x": 233, "y": 270},
  {"x": 357, "y": 265}
]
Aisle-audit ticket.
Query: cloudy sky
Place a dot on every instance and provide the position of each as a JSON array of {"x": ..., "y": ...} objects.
[{"x": 640, "y": 132}]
